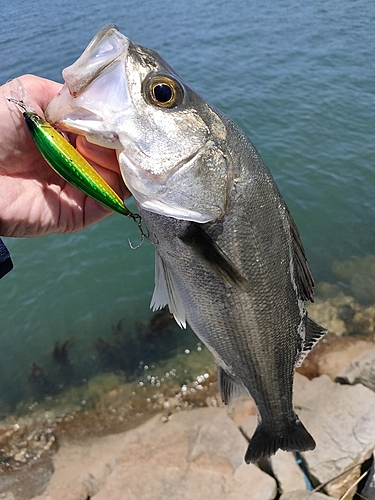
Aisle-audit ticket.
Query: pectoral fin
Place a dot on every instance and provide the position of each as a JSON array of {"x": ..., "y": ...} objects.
[{"x": 197, "y": 238}]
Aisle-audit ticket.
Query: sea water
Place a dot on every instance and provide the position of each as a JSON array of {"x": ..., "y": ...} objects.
[{"x": 299, "y": 79}]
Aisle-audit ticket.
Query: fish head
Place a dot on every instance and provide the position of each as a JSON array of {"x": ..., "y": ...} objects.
[{"x": 169, "y": 142}]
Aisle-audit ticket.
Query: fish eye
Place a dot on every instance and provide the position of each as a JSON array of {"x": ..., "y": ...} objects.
[{"x": 163, "y": 92}]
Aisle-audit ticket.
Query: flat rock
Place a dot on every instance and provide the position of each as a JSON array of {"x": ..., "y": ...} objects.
[
  {"x": 287, "y": 472},
  {"x": 195, "y": 455},
  {"x": 340, "y": 354},
  {"x": 241, "y": 408},
  {"x": 303, "y": 495},
  {"x": 7, "y": 496},
  {"x": 360, "y": 371},
  {"x": 333, "y": 354},
  {"x": 341, "y": 419}
]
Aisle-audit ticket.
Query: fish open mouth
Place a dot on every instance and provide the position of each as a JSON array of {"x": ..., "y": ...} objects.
[{"x": 95, "y": 88}]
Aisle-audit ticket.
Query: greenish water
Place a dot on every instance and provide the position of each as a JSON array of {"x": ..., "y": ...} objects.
[{"x": 298, "y": 78}]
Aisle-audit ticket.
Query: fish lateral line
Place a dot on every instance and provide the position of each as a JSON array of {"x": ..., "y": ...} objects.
[{"x": 64, "y": 159}]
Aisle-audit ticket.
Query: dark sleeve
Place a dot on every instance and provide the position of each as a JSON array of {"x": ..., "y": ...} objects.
[{"x": 6, "y": 263}]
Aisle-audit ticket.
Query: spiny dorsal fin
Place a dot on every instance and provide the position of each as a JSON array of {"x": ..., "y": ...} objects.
[
  {"x": 305, "y": 279},
  {"x": 166, "y": 292},
  {"x": 229, "y": 387},
  {"x": 314, "y": 333},
  {"x": 196, "y": 237}
]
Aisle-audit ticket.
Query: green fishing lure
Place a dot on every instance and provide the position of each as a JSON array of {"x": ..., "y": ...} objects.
[{"x": 68, "y": 163}]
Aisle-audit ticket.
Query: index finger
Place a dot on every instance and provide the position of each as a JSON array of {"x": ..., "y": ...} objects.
[{"x": 102, "y": 156}]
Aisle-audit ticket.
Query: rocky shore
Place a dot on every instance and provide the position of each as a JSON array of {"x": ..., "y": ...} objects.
[
  {"x": 184, "y": 444},
  {"x": 198, "y": 454}
]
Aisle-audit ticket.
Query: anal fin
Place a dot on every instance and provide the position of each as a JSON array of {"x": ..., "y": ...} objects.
[{"x": 229, "y": 387}]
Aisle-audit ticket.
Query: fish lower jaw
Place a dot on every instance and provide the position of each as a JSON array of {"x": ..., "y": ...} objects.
[
  {"x": 158, "y": 206},
  {"x": 104, "y": 138}
]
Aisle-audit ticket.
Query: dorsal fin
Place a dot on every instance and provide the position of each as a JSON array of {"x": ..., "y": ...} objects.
[
  {"x": 166, "y": 292},
  {"x": 314, "y": 333},
  {"x": 305, "y": 280},
  {"x": 197, "y": 238}
]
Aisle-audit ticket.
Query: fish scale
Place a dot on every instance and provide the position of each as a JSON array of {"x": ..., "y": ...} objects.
[{"x": 229, "y": 260}]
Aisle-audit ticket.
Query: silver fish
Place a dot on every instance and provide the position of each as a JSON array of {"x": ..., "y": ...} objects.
[{"x": 229, "y": 259}]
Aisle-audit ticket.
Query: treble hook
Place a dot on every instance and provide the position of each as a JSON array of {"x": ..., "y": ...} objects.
[
  {"x": 19, "y": 103},
  {"x": 144, "y": 235},
  {"x": 23, "y": 107}
]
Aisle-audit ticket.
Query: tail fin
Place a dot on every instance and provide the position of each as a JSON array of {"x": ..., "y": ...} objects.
[{"x": 264, "y": 443}]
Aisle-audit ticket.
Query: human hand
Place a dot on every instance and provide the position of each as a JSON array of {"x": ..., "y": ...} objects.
[{"x": 34, "y": 199}]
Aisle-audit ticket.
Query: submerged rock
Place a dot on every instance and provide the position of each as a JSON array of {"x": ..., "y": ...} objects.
[
  {"x": 327, "y": 309},
  {"x": 341, "y": 314},
  {"x": 359, "y": 273}
]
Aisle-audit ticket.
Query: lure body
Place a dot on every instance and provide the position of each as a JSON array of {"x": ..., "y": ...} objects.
[
  {"x": 67, "y": 162},
  {"x": 70, "y": 165}
]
